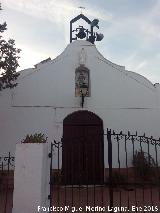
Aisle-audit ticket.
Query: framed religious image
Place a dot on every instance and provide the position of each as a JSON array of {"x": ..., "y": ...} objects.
[{"x": 81, "y": 80}]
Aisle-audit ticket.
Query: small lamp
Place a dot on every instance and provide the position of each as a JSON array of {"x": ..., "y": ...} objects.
[{"x": 83, "y": 93}]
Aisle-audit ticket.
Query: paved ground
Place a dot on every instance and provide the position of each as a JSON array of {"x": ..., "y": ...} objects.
[
  {"x": 96, "y": 199},
  {"x": 88, "y": 199}
]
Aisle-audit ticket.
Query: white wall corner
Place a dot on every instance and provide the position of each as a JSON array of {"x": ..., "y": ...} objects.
[{"x": 31, "y": 178}]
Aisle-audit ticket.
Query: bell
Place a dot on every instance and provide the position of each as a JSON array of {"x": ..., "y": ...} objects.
[
  {"x": 81, "y": 33},
  {"x": 100, "y": 36}
]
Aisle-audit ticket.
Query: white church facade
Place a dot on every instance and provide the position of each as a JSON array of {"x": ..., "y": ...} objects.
[{"x": 78, "y": 94}]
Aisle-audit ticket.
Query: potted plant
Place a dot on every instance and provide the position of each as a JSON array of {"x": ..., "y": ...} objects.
[{"x": 35, "y": 138}]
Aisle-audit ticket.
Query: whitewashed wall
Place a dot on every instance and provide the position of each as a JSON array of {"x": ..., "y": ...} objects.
[{"x": 46, "y": 95}]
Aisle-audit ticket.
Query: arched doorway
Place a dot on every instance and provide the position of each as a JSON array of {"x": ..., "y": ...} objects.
[{"x": 82, "y": 149}]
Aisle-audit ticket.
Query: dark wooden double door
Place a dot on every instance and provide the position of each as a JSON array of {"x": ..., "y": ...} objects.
[{"x": 82, "y": 149}]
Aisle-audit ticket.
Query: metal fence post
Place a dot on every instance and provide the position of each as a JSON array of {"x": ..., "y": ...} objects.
[
  {"x": 110, "y": 169},
  {"x": 50, "y": 182}
]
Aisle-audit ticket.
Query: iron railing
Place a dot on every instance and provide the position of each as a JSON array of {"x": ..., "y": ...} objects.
[
  {"x": 131, "y": 177},
  {"x": 6, "y": 183},
  {"x": 137, "y": 171}
]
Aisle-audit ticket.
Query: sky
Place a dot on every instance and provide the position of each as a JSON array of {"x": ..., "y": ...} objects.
[{"x": 131, "y": 30}]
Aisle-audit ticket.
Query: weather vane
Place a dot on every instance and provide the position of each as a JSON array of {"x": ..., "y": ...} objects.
[
  {"x": 84, "y": 33},
  {"x": 82, "y": 8}
]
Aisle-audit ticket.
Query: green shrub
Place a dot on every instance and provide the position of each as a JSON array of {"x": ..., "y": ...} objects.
[
  {"x": 143, "y": 164},
  {"x": 36, "y": 138}
]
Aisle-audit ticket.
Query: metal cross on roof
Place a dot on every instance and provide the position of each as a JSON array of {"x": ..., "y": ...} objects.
[{"x": 82, "y": 8}]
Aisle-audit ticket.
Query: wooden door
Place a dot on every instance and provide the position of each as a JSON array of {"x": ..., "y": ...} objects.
[{"x": 82, "y": 149}]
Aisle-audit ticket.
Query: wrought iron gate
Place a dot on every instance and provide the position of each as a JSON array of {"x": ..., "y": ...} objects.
[
  {"x": 6, "y": 183},
  {"x": 131, "y": 177}
]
